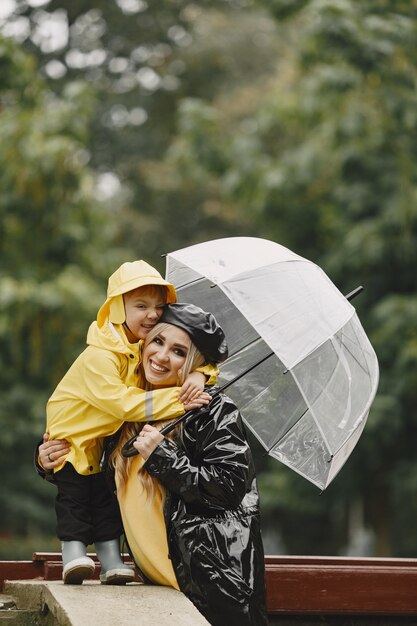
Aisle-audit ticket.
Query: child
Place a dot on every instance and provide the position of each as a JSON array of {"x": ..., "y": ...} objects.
[{"x": 97, "y": 394}]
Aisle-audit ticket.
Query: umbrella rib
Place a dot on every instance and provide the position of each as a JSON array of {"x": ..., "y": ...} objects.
[
  {"x": 248, "y": 345},
  {"x": 287, "y": 431},
  {"x": 353, "y": 356},
  {"x": 355, "y": 359},
  {"x": 192, "y": 282}
]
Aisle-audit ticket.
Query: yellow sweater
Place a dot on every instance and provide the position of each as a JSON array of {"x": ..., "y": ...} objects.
[{"x": 144, "y": 525}]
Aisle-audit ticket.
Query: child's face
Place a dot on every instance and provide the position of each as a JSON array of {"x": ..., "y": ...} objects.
[{"x": 143, "y": 308}]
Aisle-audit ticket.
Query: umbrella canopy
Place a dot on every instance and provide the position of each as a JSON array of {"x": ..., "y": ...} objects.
[{"x": 308, "y": 402}]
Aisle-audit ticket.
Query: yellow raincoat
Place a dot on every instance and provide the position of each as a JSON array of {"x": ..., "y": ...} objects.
[{"x": 99, "y": 392}]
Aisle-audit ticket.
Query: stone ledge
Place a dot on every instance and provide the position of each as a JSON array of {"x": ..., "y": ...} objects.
[{"x": 104, "y": 605}]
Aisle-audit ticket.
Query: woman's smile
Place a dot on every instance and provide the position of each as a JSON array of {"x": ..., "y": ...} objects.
[{"x": 158, "y": 368}]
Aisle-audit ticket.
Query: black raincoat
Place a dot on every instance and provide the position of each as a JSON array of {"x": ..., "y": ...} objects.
[{"x": 212, "y": 516}]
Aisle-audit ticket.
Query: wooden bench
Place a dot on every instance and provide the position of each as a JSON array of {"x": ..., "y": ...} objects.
[{"x": 304, "y": 585}]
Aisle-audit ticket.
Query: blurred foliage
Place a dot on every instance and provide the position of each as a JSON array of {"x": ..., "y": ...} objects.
[
  {"x": 21, "y": 549},
  {"x": 51, "y": 238},
  {"x": 146, "y": 127}
]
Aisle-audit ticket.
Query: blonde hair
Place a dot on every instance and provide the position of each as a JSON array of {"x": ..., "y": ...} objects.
[{"x": 121, "y": 464}]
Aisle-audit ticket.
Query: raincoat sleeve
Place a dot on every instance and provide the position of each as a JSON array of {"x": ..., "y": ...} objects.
[
  {"x": 220, "y": 472},
  {"x": 211, "y": 371},
  {"x": 100, "y": 384}
]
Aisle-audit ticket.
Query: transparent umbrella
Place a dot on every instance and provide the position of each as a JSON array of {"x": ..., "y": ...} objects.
[{"x": 310, "y": 373}]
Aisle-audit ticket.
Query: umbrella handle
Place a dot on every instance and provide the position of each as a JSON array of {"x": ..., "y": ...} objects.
[{"x": 128, "y": 449}]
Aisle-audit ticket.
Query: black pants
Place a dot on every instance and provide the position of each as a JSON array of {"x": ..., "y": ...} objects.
[{"x": 85, "y": 507}]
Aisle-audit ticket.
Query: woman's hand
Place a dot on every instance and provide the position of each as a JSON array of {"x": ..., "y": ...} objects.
[
  {"x": 194, "y": 384},
  {"x": 197, "y": 402},
  {"x": 52, "y": 452},
  {"x": 148, "y": 439}
]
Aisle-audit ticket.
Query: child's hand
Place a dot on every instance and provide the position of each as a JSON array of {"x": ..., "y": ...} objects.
[
  {"x": 192, "y": 387},
  {"x": 199, "y": 401},
  {"x": 148, "y": 439}
]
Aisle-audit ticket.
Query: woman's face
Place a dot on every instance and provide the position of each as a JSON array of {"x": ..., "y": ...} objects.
[{"x": 164, "y": 356}]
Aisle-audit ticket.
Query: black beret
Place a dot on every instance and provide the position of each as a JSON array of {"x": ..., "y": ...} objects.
[{"x": 202, "y": 327}]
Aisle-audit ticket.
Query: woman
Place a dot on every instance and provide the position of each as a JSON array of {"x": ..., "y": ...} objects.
[{"x": 190, "y": 504}]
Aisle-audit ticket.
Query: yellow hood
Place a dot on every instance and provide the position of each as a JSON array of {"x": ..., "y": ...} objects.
[{"x": 127, "y": 277}]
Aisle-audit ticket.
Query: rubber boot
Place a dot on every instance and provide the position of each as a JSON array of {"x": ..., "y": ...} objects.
[
  {"x": 113, "y": 570},
  {"x": 76, "y": 565}
]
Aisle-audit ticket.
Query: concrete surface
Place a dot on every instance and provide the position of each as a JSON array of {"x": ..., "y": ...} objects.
[
  {"x": 93, "y": 604},
  {"x": 10, "y": 615}
]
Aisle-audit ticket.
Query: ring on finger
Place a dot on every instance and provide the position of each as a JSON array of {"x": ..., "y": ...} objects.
[{"x": 49, "y": 458}]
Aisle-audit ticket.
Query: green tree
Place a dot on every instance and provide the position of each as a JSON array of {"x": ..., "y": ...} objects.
[
  {"x": 357, "y": 103},
  {"x": 203, "y": 121},
  {"x": 54, "y": 263},
  {"x": 141, "y": 59},
  {"x": 324, "y": 163}
]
